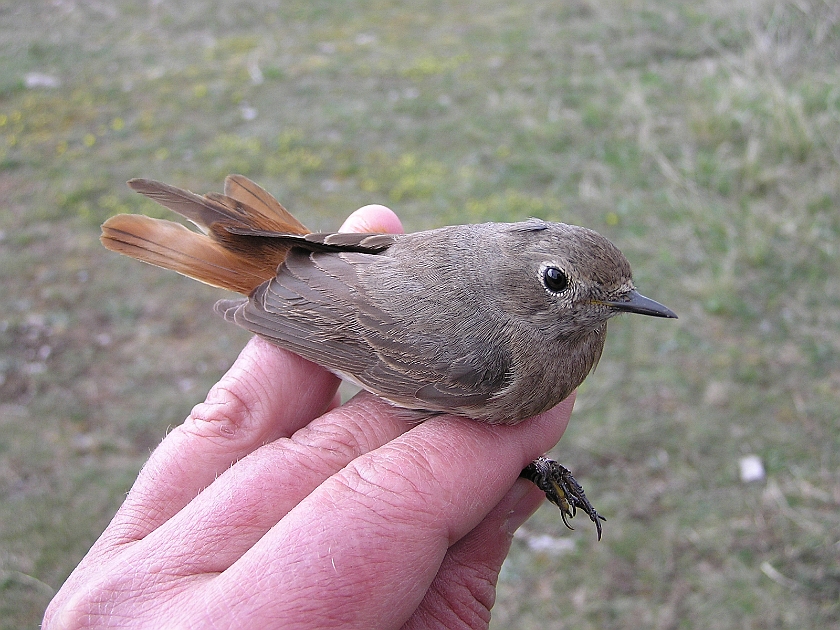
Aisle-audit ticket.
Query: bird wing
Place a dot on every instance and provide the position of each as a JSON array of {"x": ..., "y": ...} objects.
[{"x": 318, "y": 308}]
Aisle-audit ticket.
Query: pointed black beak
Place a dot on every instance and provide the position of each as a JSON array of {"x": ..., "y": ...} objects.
[{"x": 638, "y": 303}]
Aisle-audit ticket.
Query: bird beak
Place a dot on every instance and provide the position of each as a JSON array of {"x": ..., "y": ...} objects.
[{"x": 638, "y": 303}]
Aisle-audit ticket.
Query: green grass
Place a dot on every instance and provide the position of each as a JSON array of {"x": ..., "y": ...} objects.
[{"x": 703, "y": 138}]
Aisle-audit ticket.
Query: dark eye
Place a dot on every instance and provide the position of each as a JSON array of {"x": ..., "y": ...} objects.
[{"x": 555, "y": 280}]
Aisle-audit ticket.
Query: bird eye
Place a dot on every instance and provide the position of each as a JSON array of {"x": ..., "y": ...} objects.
[{"x": 554, "y": 279}]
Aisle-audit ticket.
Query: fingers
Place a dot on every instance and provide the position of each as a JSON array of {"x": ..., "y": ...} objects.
[
  {"x": 226, "y": 519},
  {"x": 362, "y": 549}
]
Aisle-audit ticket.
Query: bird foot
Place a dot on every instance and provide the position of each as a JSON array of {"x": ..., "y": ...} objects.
[{"x": 562, "y": 489}]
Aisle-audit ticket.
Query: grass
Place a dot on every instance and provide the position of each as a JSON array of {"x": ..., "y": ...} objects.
[{"x": 703, "y": 138}]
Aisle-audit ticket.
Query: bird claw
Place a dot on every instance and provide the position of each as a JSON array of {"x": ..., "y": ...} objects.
[{"x": 562, "y": 489}]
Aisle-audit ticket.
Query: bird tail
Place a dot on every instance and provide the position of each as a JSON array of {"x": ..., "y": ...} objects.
[{"x": 237, "y": 248}]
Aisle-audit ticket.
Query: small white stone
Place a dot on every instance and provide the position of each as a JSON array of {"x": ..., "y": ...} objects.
[
  {"x": 41, "y": 80},
  {"x": 752, "y": 468},
  {"x": 544, "y": 543}
]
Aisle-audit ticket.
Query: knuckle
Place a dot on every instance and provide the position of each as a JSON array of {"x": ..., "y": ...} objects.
[
  {"x": 397, "y": 482},
  {"x": 225, "y": 413},
  {"x": 330, "y": 441}
]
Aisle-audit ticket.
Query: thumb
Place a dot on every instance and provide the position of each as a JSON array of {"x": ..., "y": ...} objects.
[{"x": 373, "y": 218}]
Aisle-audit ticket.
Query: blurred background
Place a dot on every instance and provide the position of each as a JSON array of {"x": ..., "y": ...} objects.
[{"x": 702, "y": 137}]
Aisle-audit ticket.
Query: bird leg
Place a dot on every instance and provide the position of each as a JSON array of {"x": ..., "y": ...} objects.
[{"x": 562, "y": 489}]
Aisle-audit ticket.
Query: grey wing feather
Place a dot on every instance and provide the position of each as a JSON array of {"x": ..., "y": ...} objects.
[
  {"x": 317, "y": 308},
  {"x": 301, "y": 310}
]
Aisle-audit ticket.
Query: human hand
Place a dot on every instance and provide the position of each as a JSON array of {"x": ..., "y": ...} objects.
[{"x": 271, "y": 506}]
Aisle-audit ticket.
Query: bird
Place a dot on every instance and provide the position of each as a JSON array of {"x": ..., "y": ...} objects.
[{"x": 496, "y": 322}]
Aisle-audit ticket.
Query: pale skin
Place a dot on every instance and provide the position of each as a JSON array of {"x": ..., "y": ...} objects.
[{"x": 273, "y": 507}]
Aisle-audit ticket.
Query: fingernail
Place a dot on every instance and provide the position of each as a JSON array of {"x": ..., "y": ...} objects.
[{"x": 524, "y": 500}]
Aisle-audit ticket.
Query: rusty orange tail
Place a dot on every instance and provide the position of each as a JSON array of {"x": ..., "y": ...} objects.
[{"x": 235, "y": 249}]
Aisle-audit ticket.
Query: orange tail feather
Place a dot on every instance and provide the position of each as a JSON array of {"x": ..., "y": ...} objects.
[{"x": 219, "y": 257}]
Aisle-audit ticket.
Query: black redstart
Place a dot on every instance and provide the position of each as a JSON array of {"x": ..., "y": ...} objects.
[{"x": 496, "y": 321}]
